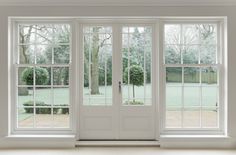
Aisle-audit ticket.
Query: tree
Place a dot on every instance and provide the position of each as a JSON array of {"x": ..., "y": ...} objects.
[
  {"x": 136, "y": 77},
  {"x": 41, "y": 76}
]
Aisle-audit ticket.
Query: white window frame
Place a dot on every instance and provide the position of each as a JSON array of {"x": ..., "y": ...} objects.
[
  {"x": 221, "y": 63},
  {"x": 157, "y": 69},
  {"x": 14, "y": 22}
]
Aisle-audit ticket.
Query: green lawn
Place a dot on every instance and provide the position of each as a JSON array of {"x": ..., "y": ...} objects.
[{"x": 191, "y": 95}]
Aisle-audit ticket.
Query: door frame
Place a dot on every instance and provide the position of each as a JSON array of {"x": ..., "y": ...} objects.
[{"x": 117, "y": 23}]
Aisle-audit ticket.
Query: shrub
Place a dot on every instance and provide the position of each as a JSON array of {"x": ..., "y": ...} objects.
[
  {"x": 61, "y": 110},
  {"x": 135, "y": 75},
  {"x": 134, "y": 103},
  {"x": 38, "y": 110},
  {"x": 41, "y": 75},
  {"x": 23, "y": 91}
]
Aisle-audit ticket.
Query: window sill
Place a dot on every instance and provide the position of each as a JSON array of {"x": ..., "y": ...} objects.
[
  {"x": 52, "y": 137},
  {"x": 195, "y": 136}
]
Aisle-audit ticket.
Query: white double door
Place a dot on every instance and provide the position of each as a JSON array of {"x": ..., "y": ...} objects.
[{"x": 117, "y": 91}]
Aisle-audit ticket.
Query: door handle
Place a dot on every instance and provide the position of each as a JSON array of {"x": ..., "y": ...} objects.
[{"x": 119, "y": 87}]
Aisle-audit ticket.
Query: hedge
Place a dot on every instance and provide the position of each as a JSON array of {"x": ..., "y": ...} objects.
[{"x": 46, "y": 110}]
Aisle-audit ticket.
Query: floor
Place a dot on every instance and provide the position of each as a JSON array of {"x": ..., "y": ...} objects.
[{"x": 116, "y": 151}]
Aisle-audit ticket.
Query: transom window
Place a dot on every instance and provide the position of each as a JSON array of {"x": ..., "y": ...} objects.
[
  {"x": 43, "y": 82},
  {"x": 192, "y": 68}
]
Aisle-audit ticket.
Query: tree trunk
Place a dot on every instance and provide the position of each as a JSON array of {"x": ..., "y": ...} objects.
[
  {"x": 94, "y": 65},
  {"x": 133, "y": 94}
]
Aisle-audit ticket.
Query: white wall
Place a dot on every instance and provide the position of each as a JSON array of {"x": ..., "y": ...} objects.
[{"x": 230, "y": 12}]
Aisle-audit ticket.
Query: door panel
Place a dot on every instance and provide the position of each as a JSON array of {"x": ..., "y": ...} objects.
[
  {"x": 137, "y": 110},
  {"x": 97, "y": 119}
]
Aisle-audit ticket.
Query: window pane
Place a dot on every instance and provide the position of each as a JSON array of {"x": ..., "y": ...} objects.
[
  {"x": 43, "y": 117},
  {"x": 190, "y": 54},
  {"x": 61, "y": 117},
  {"x": 61, "y": 54},
  {"x": 26, "y": 54},
  {"x": 62, "y": 33},
  {"x": 173, "y": 96},
  {"x": 43, "y": 75},
  {"x": 191, "y": 118},
  {"x": 208, "y": 54},
  {"x": 209, "y": 76},
  {"x": 190, "y": 34},
  {"x": 174, "y": 75},
  {"x": 191, "y": 96},
  {"x": 210, "y": 96},
  {"x": 44, "y": 54},
  {"x": 61, "y": 75},
  {"x": 173, "y": 118},
  {"x": 210, "y": 117},
  {"x": 172, "y": 34},
  {"x": 44, "y": 33},
  {"x": 25, "y": 96},
  {"x": 208, "y": 34},
  {"x": 25, "y": 76},
  {"x": 25, "y": 117},
  {"x": 191, "y": 75},
  {"x": 27, "y": 33},
  {"x": 173, "y": 54},
  {"x": 61, "y": 96},
  {"x": 43, "y": 96}
]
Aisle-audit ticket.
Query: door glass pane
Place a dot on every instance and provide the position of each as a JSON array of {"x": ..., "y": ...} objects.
[
  {"x": 97, "y": 65},
  {"x": 136, "y": 59}
]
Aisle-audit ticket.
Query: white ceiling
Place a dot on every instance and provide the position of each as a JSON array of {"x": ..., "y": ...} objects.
[{"x": 119, "y": 2}]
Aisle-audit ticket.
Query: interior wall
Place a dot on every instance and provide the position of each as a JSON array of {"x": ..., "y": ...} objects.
[{"x": 230, "y": 12}]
